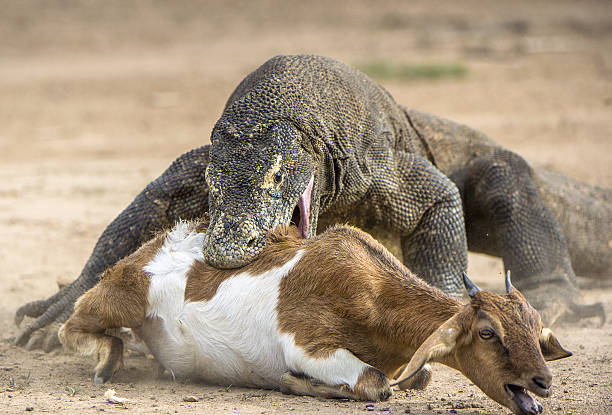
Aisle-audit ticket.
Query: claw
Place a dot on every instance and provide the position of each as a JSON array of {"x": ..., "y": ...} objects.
[
  {"x": 24, "y": 337},
  {"x": 577, "y": 312},
  {"x": 51, "y": 339},
  {"x": 31, "y": 309},
  {"x": 36, "y": 340}
]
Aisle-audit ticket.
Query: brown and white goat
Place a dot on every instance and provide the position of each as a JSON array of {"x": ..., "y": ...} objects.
[{"x": 335, "y": 316}]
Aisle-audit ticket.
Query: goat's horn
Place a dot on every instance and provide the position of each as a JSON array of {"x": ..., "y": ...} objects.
[
  {"x": 509, "y": 286},
  {"x": 471, "y": 288}
]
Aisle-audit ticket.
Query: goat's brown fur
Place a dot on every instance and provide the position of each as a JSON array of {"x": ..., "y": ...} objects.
[{"x": 346, "y": 292}]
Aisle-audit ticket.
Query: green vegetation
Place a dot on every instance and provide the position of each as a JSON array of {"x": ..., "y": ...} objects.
[
  {"x": 389, "y": 71},
  {"x": 15, "y": 385},
  {"x": 70, "y": 391}
]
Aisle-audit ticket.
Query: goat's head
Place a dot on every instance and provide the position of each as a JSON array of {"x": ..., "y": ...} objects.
[{"x": 498, "y": 342}]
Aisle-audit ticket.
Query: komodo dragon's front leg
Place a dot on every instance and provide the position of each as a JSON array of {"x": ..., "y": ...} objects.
[
  {"x": 180, "y": 192},
  {"x": 424, "y": 207}
]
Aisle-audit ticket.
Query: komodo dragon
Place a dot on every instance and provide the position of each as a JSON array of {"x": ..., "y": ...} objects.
[{"x": 311, "y": 140}]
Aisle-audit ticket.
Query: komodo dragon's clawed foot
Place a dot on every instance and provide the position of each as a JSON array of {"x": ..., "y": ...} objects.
[
  {"x": 49, "y": 314},
  {"x": 577, "y": 312},
  {"x": 555, "y": 308}
]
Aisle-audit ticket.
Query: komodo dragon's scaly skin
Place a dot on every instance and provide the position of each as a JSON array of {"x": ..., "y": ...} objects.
[{"x": 311, "y": 140}]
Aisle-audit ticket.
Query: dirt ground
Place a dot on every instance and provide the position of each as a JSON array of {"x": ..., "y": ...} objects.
[{"x": 97, "y": 98}]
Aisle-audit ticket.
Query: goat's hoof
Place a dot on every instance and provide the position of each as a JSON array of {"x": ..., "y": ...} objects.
[
  {"x": 419, "y": 381},
  {"x": 98, "y": 380},
  {"x": 385, "y": 394},
  {"x": 373, "y": 385}
]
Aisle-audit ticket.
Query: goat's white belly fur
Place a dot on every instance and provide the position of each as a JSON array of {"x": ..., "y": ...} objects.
[{"x": 233, "y": 338}]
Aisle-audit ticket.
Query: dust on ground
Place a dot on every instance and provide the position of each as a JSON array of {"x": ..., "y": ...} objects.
[{"x": 97, "y": 98}]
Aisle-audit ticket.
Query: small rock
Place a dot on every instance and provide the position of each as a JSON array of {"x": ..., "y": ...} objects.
[
  {"x": 477, "y": 405},
  {"x": 190, "y": 399},
  {"x": 385, "y": 409},
  {"x": 453, "y": 411},
  {"x": 429, "y": 406},
  {"x": 369, "y": 408},
  {"x": 29, "y": 409},
  {"x": 369, "y": 405},
  {"x": 407, "y": 410}
]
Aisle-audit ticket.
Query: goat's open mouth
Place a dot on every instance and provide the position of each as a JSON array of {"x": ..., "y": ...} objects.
[
  {"x": 524, "y": 400},
  {"x": 301, "y": 213}
]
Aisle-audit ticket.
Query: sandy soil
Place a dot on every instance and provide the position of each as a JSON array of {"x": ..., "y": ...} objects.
[{"x": 97, "y": 98}]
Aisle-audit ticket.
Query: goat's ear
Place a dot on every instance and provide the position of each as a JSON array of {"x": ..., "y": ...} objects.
[
  {"x": 551, "y": 348},
  {"x": 439, "y": 344}
]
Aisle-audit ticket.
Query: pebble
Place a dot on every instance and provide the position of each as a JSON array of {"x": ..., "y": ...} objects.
[
  {"x": 29, "y": 409},
  {"x": 190, "y": 399}
]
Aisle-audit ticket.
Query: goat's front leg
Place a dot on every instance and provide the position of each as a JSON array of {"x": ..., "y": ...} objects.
[
  {"x": 85, "y": 335},
  {"x": 372, "y": 385},
  {"x": 418, "y": 381}
]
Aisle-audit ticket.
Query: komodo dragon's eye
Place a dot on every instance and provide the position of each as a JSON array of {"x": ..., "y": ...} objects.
[{"x": 278, "y": 177}]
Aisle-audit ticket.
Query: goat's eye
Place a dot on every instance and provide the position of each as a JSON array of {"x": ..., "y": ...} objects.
[
  {"x": 486, "y": 334},
  {"x": 278, "y": 177}
]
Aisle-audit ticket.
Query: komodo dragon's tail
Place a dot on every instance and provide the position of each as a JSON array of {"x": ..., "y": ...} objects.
[{"x": 585, "y": 215}]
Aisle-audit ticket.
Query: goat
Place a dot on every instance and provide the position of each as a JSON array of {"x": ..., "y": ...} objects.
[{"x": 336, "y": 315}]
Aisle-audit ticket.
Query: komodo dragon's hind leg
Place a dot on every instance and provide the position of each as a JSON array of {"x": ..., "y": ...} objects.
[
  {"x": 506, "y": 217},
  {"x": 180, "y": 192}
]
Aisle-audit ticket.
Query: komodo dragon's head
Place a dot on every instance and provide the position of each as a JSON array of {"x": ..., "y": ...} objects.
[
  {"x": 256, "y": 185},
  {"x": 273, "y": 150}
]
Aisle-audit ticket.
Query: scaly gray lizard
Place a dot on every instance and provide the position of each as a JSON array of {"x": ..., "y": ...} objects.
[{"x": 311, "y": 140}]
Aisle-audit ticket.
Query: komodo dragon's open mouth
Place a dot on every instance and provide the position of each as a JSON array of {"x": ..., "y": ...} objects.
[{"x": 301, "y": 213}]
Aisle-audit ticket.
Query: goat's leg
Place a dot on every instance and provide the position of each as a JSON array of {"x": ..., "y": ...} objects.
[
  {"x": 417, "y": 382},
  {"x": 84, "y": 334},
  {"x": 180, "y": 192},
  {"x": 118, "y": 300},
  {"x": 339, "y": 375},
  {"x": 372, "y": 385},
  {"x": 304, "y": 386}
]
